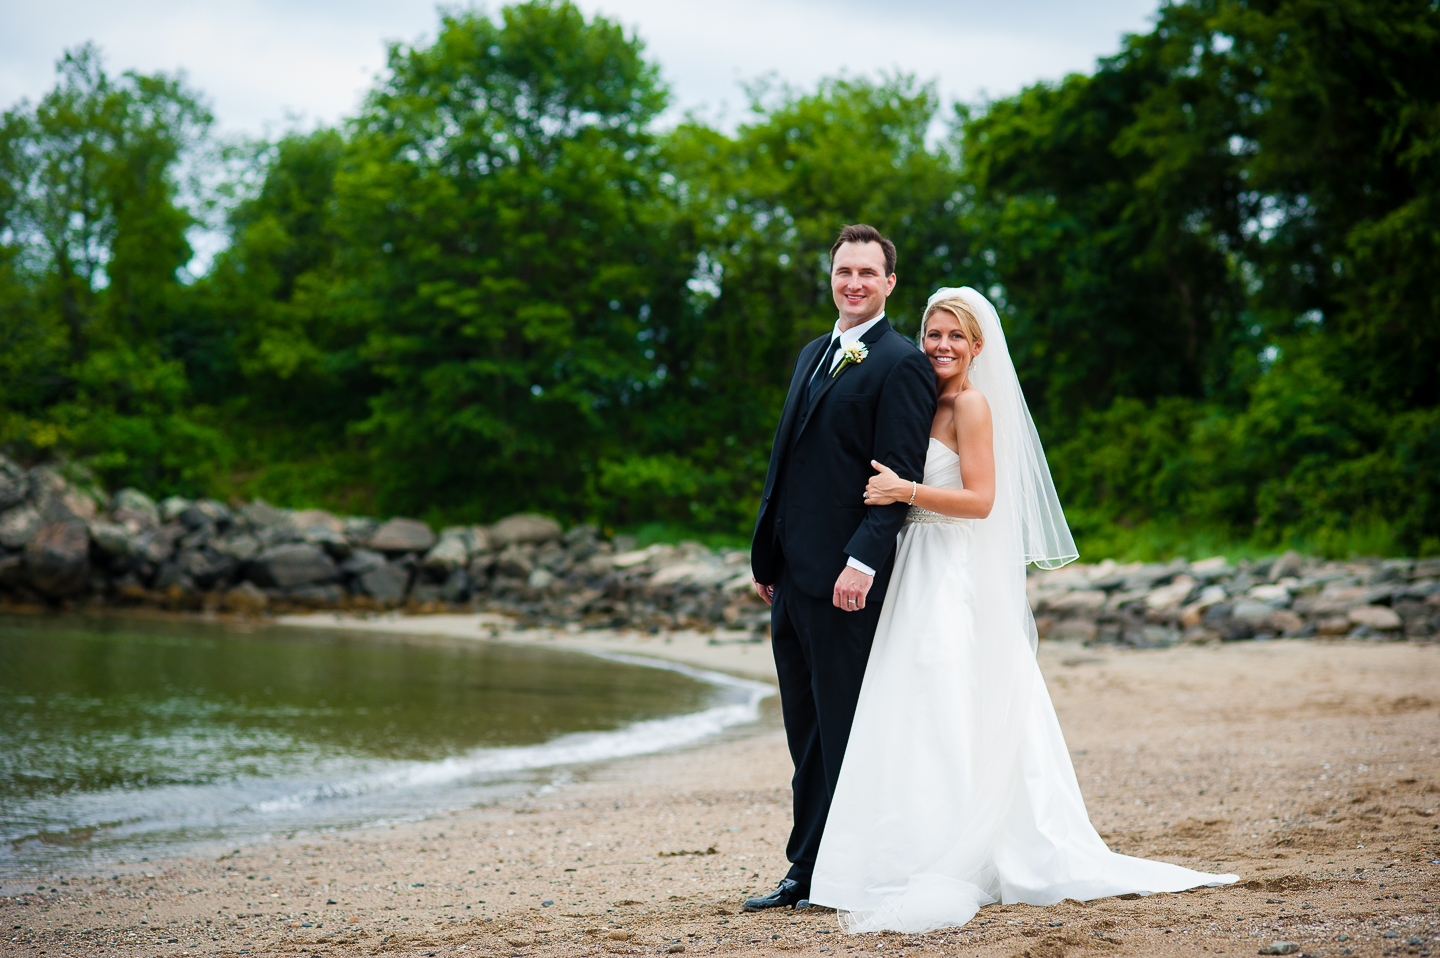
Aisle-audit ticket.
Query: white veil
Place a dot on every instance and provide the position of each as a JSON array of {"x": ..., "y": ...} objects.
[{"x": 1026, "y": 524}]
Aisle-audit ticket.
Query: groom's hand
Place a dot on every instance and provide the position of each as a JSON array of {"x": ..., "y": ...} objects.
[
  {"x": 766, "y": 592},
  {"x": 851, "y": 589}
]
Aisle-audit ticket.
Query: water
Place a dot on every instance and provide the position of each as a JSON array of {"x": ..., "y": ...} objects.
[{"x": 122, "y": 737}]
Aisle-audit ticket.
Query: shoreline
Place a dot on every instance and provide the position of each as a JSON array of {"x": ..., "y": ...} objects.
[
  {"x": 1265, "y": 759},
  {"x": 735, "y": 653}
]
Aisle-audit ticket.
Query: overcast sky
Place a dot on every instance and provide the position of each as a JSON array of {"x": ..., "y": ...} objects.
[{"x": 263, "y": 63}]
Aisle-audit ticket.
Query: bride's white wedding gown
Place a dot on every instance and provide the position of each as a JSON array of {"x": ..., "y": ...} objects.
[{"x": 957, "y": 789}]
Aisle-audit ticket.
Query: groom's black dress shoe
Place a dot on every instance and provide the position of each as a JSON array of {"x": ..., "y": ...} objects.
[{"x": 785, "y": 896}]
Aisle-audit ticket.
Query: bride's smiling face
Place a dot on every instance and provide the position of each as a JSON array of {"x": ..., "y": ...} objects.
[{"x": 946, "y": 346}]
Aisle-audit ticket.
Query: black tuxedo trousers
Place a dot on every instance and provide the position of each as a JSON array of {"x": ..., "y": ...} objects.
[{"x": 812, "y": 519}]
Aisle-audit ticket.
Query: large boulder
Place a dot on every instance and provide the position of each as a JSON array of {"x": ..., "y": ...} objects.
[
  {"x": 293, "y": 564},
  {"x": 14, "y": 487},
  {"x": 522, "y": 528},
  {"x": 245, "y": 599},
  {"x": 57, "y": 558},
  {"x": 134, "y": 510},
  {"x": 362, "y": 561},
  {"x": 239, "y": 546},
  {"x": 171, "y": 508},
  {"x": 111, "y": 538},
  {"x": 402, "y": 535},
  {"x": 19, "y": 525},
  {"x": 305, "y": 518},
  {"x": 388, "y": 583},
  {"x": 449, "y": 554},
  {"x": 262, "y": 515}
]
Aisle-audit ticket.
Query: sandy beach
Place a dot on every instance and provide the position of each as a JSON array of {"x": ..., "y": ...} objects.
[{"x": 1308, "y": 768}]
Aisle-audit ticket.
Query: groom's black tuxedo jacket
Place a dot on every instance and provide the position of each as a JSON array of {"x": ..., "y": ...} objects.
[{"x": 812, "y": 513}]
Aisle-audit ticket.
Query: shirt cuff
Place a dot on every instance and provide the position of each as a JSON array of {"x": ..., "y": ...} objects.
[{"x": 855, "y": 563}]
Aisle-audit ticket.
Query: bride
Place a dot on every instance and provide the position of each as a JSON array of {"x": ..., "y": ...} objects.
[{"x": 957, "y": 789}]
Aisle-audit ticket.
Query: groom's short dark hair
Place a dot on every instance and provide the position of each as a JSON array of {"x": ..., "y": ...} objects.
[{"x": 862, "y": 234}]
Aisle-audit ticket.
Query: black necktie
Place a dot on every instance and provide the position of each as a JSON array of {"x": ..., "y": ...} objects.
[{"x": 824, "y": 368}]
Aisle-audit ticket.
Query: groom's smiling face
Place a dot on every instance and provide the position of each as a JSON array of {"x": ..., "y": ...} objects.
[{"x": 859, "y": 283}]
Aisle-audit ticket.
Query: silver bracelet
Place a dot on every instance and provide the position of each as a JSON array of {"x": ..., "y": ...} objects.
[{"x": 914, "y": 488}]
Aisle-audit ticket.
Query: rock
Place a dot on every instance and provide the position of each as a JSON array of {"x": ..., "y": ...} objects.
[
  {"x": 57, "y": 559},
  {"x": 480, "y": 541},
  {"x": 316, "y": 595},
  {"x": 239, "y": 546},
  {"x": 1151, "y": 637},
  {"x": 362, "y": 561},
  {"x": 580, "y": 533},
  {"x": 525, "y": 527},
  {"x": 388, "y": 583},
  {"x": 632, "y": 558},
  {"x": 1275, "y": 596},
  {"x": 12, "y": 571},
  {"x": 1072, "y": 630},
  {"x": 326, "y": 538},
  {"x": 450, "y": 553},
  {"x": 360, "y": 528},
  {"x": 156, "y": 545},
  {"x": 515, "y": 563},
  {"x": 171, "y": 576},
  {"x": 19, "y": 525},
  {"x": 1171, "y": 596},
  {"x": 57, "y": 498},
  {"x": 1252, "y": 612},
  {"x": 193, "y": 517},
  {"x": 206, "y": 567},
  {"x": 693, "y": 573},
  {"x": 402, "y": 535},
  {"x": 456, "y": 588},
  {"x": 541, "y": 579},
  {"x": 1199, "y": 635},
  {"x": 305, "y": 518},
  {"x": 1376, "y": 617},
  {"x": 293, "y": 564},
  {"x": 1212, "y": 568},
  {"x": 134, "y": 510},
  {"x": 1285, "y": 622},
  {"x": 1425, "y": 568},
  {"x": 261, "y": 515},
  {"x": 171, "y": 507},
  {"x": 1079, "y": 601},
  {"x": 1288, "y": 564},
  {"x": 1333, "y": 625},
  {"x": 13, "y": 489},
  {"x": 245, "y": 599},
  {"x": 1280, "y": 948},
  {"x": 214, "y": 510},
  {"x": 1194, "y": 613},
  {"x": 552, "y": 557}
]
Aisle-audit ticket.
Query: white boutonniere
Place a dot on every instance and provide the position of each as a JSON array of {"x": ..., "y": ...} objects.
[{"x": 852, "y": 355}]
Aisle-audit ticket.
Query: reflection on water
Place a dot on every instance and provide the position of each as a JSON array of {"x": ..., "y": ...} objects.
[{"x": 117, "y": 735}]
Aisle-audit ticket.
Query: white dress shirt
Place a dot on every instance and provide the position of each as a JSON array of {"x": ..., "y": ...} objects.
[{"x": 847, "y": 337}]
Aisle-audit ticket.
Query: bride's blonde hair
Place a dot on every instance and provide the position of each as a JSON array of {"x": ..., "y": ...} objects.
[{"x": 964, "y": 315}]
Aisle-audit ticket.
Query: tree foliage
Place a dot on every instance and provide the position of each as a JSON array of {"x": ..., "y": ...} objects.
[{"x": 502, "y": 285}]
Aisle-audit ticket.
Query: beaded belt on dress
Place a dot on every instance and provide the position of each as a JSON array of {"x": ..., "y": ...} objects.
[{"x": 917, "y": 514}]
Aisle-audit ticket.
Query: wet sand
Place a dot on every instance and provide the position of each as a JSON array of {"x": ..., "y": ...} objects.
[{"x": 1310, "y": 769}]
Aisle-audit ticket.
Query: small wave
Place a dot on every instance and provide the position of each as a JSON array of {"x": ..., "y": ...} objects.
[{"x": 579, "y": 748}]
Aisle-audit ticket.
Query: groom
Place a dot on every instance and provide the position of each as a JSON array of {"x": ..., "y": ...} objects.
[{"x": 822, "y": 558}]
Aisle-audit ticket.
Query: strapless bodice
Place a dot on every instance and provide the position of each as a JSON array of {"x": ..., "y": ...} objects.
[
  {"x": 942, "y": 469},
  {"x": 942, "y": 466}
]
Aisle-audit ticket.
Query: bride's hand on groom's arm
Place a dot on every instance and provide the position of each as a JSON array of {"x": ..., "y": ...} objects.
[{"x": 885, "y": 487}]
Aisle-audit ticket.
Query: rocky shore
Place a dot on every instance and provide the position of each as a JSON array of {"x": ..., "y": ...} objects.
[
  {"x": 61, "y": 544},
  {"x": 1213, "y": 600},
  {"x": 64, "y": 545}
]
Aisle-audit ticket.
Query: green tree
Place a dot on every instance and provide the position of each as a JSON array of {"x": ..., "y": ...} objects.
[{"x": 94, "y": 233}]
